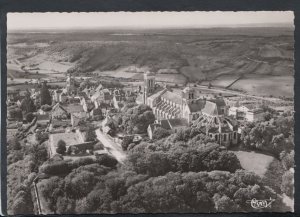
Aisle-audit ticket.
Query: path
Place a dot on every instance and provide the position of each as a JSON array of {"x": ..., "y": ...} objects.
[{"x": 113, "y": 147}]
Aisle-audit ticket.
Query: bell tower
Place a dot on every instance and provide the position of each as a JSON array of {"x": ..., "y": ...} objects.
[
  {"x": 149, "y": 81},
  {"x": 188, "y": 95},
  {"x": 149, "y": 84}
]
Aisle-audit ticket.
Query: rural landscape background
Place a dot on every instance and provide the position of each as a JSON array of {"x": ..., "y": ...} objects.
[
  {"x": 150, "y": 120},
  {"x": 254, "y": 60}
]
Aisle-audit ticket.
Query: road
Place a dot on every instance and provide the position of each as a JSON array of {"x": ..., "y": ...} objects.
[
  {"x": 271, "y": 99},
  {"x": 113, "y": 147}
]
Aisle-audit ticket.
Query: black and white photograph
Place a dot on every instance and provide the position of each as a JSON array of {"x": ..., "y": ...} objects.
[{"x": 150, "y": 112}]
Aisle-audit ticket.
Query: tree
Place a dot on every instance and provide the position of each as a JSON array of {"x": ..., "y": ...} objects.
[
  {"x": 46, "y": 107},
  {"x": 45, "y": 95},
  {"x": 16, "y": 113},
  {"x": 126, "y": 141},
  {"x": 27, "y": 104},
  {"x": 29, "y": 117},
  {"x": 90, "y": 134},
  {"x": 160, "y": 133},
  {"x": 287, "y": 185},
  {"x": 106, "y": 160},
  {"x": 61, "y": 147},
  {"x": 14, "y": 144},
  {"x": 137, "y": 119}
]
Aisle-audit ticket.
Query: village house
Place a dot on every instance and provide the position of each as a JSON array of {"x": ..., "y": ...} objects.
[
  {"x": 249, "y": 113},
  {"x": 59, "y": 112},
  {"x": 88, "y": 106},
  {"x": 56, "y": 95},
  {"x": 75, "y": 143},
  {"x": 97, "y": 114},
  {"x": 63, "y": 97},
  {"x": 59, "y": 126},
  {"x": 73, "y": 108},
  {"x": 42, "y": 119},
  {"x": 89, "y": 91},
  {"x": 102, "y": 96},
  {"x": 12, "y": 95}
]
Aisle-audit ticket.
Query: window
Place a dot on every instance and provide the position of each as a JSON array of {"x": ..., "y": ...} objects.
[
  {"x": 216, "y": 137},
  {"x": 225, "y": 137},
  {"x": 234, "y": 135}
]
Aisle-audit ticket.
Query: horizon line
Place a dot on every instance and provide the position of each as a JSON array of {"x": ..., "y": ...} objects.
[{"x": 249, "y": 25}]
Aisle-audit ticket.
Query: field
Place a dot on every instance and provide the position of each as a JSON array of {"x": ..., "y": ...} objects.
[
  {"x": 218, "y": 55},
  {"x": 254, "y": 162},
  {"x": 267, "y": 85}
]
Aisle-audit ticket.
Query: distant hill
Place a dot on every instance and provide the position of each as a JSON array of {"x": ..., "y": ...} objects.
[{"x": 197, "y": 54}]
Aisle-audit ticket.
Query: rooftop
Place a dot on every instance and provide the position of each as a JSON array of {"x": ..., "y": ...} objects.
[
  {"x": 73, "y": 108},
  {"x": 173, "y": 97}
]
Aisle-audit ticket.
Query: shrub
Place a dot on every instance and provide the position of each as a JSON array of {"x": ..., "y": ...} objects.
[
  {"x": 61, "y": 147},
  {"x": 106, "y": 160},
  {"x": 126, "y": 141},
  {"x": 160, "y": 133},
  {"x": 29, "y": 117}
]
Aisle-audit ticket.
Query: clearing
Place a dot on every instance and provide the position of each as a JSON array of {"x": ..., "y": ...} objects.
[{"x": 254, "y": 162}]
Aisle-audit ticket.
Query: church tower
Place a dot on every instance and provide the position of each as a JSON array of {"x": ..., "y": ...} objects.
[
  {"x": 149, "y": 84},
  {"x": 188, "y": 95},
  {"x": 70, "y": 83}
]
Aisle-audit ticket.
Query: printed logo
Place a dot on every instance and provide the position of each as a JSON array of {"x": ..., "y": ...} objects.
[{"x": 259, "y": 204}]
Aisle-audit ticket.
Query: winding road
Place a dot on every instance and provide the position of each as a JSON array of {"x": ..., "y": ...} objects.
[{"x": 111, "y": 145}]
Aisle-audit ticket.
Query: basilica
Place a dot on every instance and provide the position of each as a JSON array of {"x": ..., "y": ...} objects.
[{"x": 209, "y": 114}]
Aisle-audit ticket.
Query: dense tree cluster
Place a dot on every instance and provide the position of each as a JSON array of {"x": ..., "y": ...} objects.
[
  {"x": 271, "y": 137},
  {"x": 160, "y": 133},
  {"x": 186, "y": 150},
  {"x": 23, "y": 160},
  {"x": 94, "y": 189},
  {"x": 135, "y": 119}
]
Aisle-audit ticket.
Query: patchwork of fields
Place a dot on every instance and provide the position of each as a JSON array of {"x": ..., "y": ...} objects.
[{"x": 261, "y": 56}]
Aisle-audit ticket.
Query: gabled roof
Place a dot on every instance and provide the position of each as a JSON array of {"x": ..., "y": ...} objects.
[
  {"x": 210, "y": 108},
  {"x": 178, "y": 122},
  {"x": 169, "y": 124},
  {"x": 42, "y": 117},
  {"x": 60, "y": 123},
  {"x": 79, "y": 115},
  {"x": 100, "y": 86},
  {"x": 73, "y": 108},
  {"x": 58, "y": 106},
  {"x": 173, "y": 97},
  {"x": 197, "y": 106}
]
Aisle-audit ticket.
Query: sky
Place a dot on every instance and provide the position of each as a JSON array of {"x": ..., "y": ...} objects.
[{"x": 197, "y": 19}]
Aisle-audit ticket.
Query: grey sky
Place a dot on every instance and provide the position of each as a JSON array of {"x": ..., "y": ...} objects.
[{"x": 145, "y": 19}]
